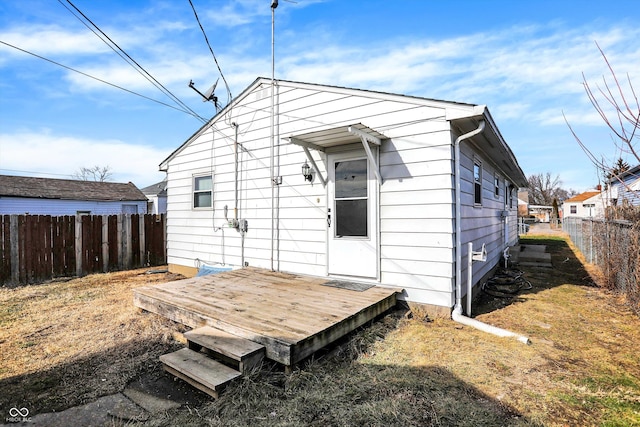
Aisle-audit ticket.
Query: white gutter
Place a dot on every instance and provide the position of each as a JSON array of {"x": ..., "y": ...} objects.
[{"x": 456, "y": 314}]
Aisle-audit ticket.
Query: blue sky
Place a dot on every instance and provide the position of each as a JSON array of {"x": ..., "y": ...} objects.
[{"x": 524, "y": 59}]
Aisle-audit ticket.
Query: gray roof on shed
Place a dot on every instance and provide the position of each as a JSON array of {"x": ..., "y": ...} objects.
[
  {"x": 157, "y": 189},
  {"x": 68, "y": 189}
]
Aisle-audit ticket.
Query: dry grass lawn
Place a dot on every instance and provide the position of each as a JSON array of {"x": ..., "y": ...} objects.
[{"x": 68, "y": 343}]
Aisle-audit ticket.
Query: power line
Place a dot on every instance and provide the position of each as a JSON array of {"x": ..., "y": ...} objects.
[
  {"x": 107, "y": 43},
  {"x": 130, "y": 60},
  {"x": 96, "y": 78},
  {"x": 139, "y": 67},
  {"x": 211, "y": 50}
]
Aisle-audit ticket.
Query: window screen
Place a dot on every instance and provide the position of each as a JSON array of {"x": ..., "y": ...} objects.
[{"x": 351, "y": 198}]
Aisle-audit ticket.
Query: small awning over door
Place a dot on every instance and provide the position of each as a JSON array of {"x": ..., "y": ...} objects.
[{"x": 343, "y": 135}]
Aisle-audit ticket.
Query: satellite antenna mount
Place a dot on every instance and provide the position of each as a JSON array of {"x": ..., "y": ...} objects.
[{"x": 209, "y": 95}]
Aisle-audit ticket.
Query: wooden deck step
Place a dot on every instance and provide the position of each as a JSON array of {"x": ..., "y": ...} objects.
[
  {"x": 235, "y": 350},
  {"x": 199, "y": 370}
]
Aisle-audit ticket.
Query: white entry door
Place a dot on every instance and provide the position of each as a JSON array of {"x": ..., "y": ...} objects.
[{"x": 353, "y": 216}]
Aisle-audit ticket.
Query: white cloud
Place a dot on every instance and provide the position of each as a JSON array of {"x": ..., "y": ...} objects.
[
  {"x": 533, "y": 66},
  {"x": 241, "y": 12},
  {"x": 527, "y": 75},
  {"x": 52, "y": 39},
  {"x": 62, "y": 155}
]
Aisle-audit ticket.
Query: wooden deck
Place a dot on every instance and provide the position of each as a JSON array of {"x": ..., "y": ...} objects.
[{"x": 291, "y": 315}]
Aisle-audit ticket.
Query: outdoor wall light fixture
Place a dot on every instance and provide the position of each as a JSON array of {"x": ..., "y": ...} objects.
[{"x": 306, "y": 172}]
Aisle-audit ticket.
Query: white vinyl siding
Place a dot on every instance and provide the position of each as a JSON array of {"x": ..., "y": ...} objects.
[{"x": 486, "y": 225}]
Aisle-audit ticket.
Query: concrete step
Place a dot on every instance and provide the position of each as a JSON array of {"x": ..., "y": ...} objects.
[
  {"x": 231, "y": 349},
  {"x": 199, "y": 370}
]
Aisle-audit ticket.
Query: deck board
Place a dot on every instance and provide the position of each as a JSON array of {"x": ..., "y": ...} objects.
[{"x": 291, "y": 315}]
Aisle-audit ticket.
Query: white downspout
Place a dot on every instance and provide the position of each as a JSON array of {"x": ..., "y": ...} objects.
[
  {"x": 456, "y": 314},
  {"x": 456, "y": 145}
]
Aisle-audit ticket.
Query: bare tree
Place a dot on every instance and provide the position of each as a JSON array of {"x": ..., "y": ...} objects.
[
  {"x": 544, "y": 189},
  {"x": 95, "y": 173},
  {"x": 617, "y": 104}
]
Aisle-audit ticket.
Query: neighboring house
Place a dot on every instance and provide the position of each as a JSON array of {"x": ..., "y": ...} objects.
[
  {"x": 350, "y": 184},
  {"x": 625, "y": 189},
  {"x": 47, "y": 196},
  {"x": 157, "y": 196},
  {"x": 523, "y": 203},
  {"x": 590, "y": 204},
  {"x": 541, "y": 213}
]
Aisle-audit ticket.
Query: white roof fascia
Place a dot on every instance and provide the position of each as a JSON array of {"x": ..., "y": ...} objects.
[{"x": 454, "y": 113}]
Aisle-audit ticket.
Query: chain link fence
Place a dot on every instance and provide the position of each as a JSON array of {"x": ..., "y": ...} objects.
[{"x": 614, "y": 246}]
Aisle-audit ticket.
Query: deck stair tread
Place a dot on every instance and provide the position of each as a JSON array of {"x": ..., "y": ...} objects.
[
  {"x": 246, "y": 353},
  {"x": 199, "y": 370}
]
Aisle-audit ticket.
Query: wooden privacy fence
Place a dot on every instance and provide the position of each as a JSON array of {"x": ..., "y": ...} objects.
[{"x": 34, "y": 248}]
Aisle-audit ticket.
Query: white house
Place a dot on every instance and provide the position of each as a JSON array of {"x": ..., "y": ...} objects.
[
  {"x": 590, "y": 204},
  {"x": 157, "y": 197},
  {"x": 21, "y": 195},
  {"x": 542, "y": 213},
  {"x": 625, "y": 188},
  {"x": 345, "y": 183}
]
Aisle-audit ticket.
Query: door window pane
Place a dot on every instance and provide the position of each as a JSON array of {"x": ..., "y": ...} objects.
[
  {"x": 351, "y": 218},
  {"x": 351, "y": 179},
  {"x": 351, "y": 198}
]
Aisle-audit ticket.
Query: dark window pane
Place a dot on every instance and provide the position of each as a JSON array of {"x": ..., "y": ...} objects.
[
  {"x": 202, "y": 200},
  {"x": 351, "y": 179},
  {"x": 351, "y": 218},
  {"x": 477, "y": 188},
  {"x": 478, "y": 194}
]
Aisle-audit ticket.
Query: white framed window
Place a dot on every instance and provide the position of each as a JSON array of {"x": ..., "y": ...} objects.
[
  {"x": 477, "y": 183},
  {"x": 509, "y": 189},
  {"x": 203, "y": 191},
  {"x": 574, "y": 209},
  {"x": 496, "y": 185}
]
